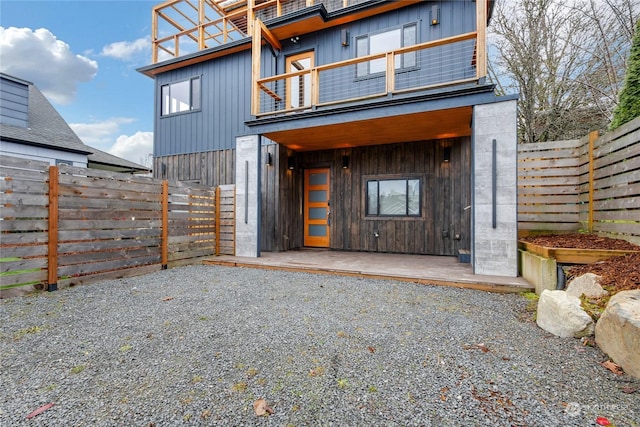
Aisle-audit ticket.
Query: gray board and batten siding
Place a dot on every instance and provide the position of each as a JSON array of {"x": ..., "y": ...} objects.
[
  {"x": 225, "y": 106},
  {"x": 226, "y": 81}
]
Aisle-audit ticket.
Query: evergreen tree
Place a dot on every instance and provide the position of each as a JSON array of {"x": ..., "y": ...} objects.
[{"x": 629, "y": 103}]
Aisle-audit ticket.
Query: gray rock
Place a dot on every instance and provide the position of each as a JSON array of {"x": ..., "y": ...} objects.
[
  {"x": 588, "y": 285},
  {"x": 618, "y": 331},
  {"x": 561, "y": 314}
]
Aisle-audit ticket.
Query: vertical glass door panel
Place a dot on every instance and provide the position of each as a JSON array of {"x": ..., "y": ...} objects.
[{"x": 299, "y": 86}]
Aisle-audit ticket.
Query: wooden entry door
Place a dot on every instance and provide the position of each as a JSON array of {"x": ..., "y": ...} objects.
[
  {"x": 317, "y": 214},
  {"x": 299, "y": 87}
]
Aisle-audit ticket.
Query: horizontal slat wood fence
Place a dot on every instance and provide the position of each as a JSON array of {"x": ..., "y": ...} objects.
[
  {"x": 66, "y": 225},
  {"x": 591, "y": 184}
]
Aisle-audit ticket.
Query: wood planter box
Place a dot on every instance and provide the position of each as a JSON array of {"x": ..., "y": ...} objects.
[{"x": 570, "y": 255}]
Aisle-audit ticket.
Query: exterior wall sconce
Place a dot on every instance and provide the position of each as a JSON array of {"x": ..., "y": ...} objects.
[
  {"x": 446, "y": 155},
  {"x": 345, "y": 162},
  {"x": 344, "y": 37},
  {"x": 435, "y": 14},
  {"x": 291, "y": 163},
  {"x": 269, "y": 161}
]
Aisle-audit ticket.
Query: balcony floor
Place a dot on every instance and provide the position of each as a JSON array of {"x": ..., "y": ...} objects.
[{"x": 425, "y": 269}]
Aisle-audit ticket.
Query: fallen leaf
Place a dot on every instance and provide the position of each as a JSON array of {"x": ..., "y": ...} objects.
[
  {"x": 616, "y": 369},
  {"x": 167, "y": 298},
  {"x": 39, "y": 410},
  {"x": 371, "y": 349},
  {"x": 480, "y": 346},
  {"x": 602, "y": 421},
  {"x": 261, "y": 408}
]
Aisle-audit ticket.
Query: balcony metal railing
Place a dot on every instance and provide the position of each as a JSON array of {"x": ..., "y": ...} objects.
[{"x": 426, "y": 65}]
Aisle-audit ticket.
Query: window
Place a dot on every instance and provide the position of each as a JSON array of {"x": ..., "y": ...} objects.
[
  {"x": 180, "y": 96},
  {"x": 393, "y": 197},
  {"x": 385, "y": 42}
]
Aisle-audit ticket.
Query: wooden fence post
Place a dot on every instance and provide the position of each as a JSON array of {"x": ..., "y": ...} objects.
[
  {"x": 52, "y": 253},
  {"x": 217, "y": 208},
  {"x": 165, "y": 224},
  {"x": 592, "y": 139}
]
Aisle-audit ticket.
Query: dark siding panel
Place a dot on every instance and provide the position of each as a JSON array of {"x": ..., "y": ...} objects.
[
  {"x": 446, "y": 191},
  {"x": 14, "y": 103},
  {"x": 225, "y": 107}
]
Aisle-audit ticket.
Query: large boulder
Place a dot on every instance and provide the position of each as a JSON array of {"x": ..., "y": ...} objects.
[
  {"x": 618, "y": 331},
  {"x": 562, "y": 315},
  {"x": 588, "y": 285}
]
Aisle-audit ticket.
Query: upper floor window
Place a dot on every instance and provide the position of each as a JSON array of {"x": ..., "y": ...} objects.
[
  {"x": 384, "y": 42},
  {"x": 180, "y": 96},
  {"x": 393, "y": 197}
]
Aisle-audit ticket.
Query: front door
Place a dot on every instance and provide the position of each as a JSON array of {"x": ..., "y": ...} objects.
[
  {"x": 317, "y": 214},
  {"x": 299, "y": 87}
]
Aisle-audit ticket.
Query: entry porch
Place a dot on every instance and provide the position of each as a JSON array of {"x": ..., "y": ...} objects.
[{"x": 425, "y": 269}]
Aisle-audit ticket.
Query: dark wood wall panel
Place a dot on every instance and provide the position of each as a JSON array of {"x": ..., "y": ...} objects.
[
  {"x": 442, "y": 229},
  {"x": 211, "y": 168}
]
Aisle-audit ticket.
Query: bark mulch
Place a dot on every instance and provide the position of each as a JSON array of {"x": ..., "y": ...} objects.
[{"x": 616, "y": 274}]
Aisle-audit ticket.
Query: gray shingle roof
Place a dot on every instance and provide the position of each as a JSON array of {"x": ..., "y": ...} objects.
[{"x": 47, "y": 128}]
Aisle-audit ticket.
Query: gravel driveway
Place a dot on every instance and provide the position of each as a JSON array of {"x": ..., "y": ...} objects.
[{"x": 199, "y": 345}]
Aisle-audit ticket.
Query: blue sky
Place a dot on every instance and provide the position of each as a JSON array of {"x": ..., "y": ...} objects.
[{"x": 83, "y": 56}]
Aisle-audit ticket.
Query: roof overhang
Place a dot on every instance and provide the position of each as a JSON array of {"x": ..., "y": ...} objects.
[{"x": 38, "y": 144}]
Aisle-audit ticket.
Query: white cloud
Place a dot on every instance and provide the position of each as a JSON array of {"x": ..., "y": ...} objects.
[
  {"x": 38, "y": 56},
  {"x": 125, "y": 50},
  {"x": 102, "y": 133},
  {"x": 135, "y": 148}
]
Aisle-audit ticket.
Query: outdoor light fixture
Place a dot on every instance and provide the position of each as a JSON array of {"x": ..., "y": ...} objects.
[
  {"x": 344, "y": 36},
  {"x": 269, "y": 161},
  {"x": 295, "y": 39},
  {"x": 435, "y": 14},
  {"x": 291, "y": 163},
  {"x": 345, "y": 162},
  {"x": 446, "y": 156}
]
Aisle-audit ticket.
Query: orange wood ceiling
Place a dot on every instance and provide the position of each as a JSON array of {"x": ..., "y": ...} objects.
[{"x": 386, "y": 130}]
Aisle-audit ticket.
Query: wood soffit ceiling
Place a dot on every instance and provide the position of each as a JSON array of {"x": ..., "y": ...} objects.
[{"x": 386, "y": 130}]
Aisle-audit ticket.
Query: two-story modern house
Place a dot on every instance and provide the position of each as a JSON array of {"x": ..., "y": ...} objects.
[{"x": 355, "y": 125}]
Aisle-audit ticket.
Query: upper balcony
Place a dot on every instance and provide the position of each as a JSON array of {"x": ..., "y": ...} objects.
[{"x": 186, "y": 26}]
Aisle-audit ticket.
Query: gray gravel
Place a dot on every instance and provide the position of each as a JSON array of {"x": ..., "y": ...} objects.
[{"x": 198, "y": 345}]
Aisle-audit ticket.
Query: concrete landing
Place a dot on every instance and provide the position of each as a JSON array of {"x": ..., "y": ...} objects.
[{"x": 433, "y": 270}]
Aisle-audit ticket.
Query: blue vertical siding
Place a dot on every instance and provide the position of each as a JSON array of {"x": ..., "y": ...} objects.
[{"x": 225, "y": 106}]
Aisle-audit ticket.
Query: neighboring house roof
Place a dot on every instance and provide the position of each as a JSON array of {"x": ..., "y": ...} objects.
[
  {"x": 47, "y": 128},
  {"x": 101, "y": 160}
]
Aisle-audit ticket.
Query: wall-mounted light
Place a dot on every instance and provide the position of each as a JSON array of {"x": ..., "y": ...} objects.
[
  {"x": 295, "y": 39},
  {"x": 446, "y": 154},
  {"x": 345, "y": 162},
  {"x": 344, "y": 37},
  {"x": 269, "y": 160},
  {"x": 291, "y": 163},
  {"x": 435, "y": 14}
]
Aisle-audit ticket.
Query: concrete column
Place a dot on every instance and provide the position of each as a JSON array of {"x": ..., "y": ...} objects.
[
  {"x": 494, "y": 247},
  {"x": 248, "y": 196}
]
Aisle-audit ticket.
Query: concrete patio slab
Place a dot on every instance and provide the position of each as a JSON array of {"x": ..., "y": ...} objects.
[{"x": 434, "y": 270}]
